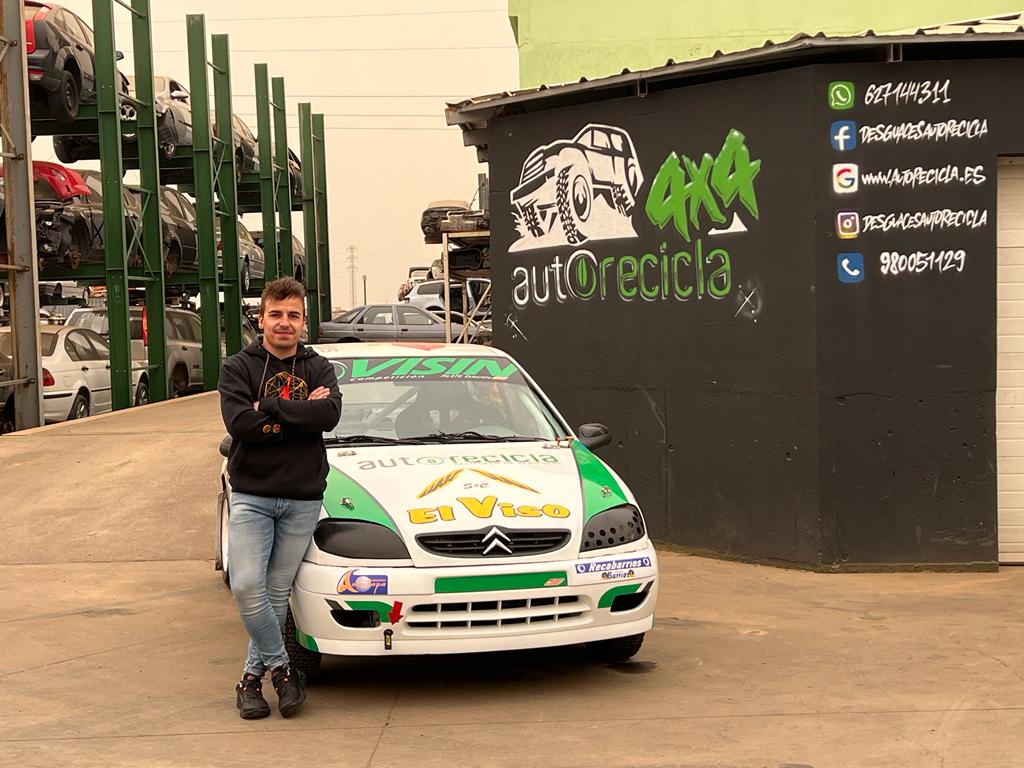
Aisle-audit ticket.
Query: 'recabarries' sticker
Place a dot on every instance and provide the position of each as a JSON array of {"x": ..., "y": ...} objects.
[{"x": 599, "y": 566}]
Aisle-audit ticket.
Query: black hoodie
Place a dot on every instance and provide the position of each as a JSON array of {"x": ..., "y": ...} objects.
[{"x": 278, "y": 451}]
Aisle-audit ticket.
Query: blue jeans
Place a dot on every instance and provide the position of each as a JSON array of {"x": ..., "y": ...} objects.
[{"x": 267, "y": 540}]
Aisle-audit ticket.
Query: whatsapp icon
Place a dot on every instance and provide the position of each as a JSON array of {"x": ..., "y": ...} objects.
[{"x": 841, "y": 94}]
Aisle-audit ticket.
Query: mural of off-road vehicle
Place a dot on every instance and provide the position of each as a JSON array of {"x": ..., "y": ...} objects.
[{"x": 571, "y": 191}]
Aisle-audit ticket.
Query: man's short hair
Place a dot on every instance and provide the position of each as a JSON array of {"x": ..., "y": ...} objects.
[{"x": 281, "y": 289}]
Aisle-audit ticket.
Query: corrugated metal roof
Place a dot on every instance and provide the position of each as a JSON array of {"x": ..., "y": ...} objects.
[
  {"x": 473, "y": 115},
  {"x": 1011, "y": 22}
]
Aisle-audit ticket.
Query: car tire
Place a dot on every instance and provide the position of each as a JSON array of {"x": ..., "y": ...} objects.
[
  {"x": 172, "y": 261},
  {"x": 7, "y": 420},
  {"x": 178, "y": 384},
  {"x": 142, "y": 393},
  {"x": 616, "y": 649},
  {"x": 79, "y": 407},
  {"x": 65, "y": 99},
  {"x": 223, "y": 554},
  {"x": 167, "y": 150},
  {"x": 246, "y": 277},
  {"x": 66, "y": 150},
  {"x": 299, "y": 656},
  {"x": 572, "y": 191}
]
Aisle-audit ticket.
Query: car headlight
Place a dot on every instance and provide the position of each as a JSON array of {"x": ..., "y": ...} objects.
[
  {"x": 359, "y": 539},
  {"x": 615, "y": 526}
]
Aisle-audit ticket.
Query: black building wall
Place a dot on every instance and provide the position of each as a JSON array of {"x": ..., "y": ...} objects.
[{"x": 785, "y": 415}]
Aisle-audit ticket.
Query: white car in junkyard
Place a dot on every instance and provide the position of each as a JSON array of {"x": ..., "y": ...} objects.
[
  {"x": 76, "y": 372},
  {"x": 462, "y": 514}
]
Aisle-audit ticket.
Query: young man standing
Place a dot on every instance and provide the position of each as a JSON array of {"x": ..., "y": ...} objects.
[{"x": 277, "y": 398}]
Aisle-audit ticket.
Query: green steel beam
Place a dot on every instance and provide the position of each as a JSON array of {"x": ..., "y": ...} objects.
[
  {"x": 322, "y": 252},
  {"x": 282, "y": 181},
  {"x": 268, "y": 202},
  {"x": 202, "y": 157},
  {"x": 226, "y": 173},
  {"x": 146, "y": 142},
  {"x": 108, "y": 111},
  {"x": 309, "y": 222}
]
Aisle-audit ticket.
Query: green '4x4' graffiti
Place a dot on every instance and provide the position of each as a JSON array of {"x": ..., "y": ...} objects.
[{"x": 681, "y": 190}]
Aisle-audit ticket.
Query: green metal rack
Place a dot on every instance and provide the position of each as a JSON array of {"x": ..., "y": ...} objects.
[{"x": 208, "y": 171}]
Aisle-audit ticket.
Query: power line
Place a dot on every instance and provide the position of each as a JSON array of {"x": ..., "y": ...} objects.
[
  {"x": 434, "y": 115},
  {"x": 333, "y": 16}
]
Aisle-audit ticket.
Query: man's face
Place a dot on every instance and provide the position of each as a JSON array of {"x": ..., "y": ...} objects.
[{"x": 282, "y": 321}]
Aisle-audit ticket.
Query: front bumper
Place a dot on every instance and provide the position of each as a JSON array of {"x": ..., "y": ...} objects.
[{"x": 466, "y": 609}]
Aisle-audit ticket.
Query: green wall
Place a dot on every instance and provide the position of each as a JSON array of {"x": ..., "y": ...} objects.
[{"x": 562, "y": 40}]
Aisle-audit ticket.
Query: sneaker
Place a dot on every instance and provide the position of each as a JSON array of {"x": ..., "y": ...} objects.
[
  {"x": 290, "y": 685},
  {"x": 249, "y": 698}
]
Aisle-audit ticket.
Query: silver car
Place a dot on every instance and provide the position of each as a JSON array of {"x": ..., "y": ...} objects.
[
  {"x": 184, "y": 342},
  {"x": 387, "y": 323}
]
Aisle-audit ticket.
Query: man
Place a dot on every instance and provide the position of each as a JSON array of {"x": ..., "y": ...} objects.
[{"x": 277, "y": 398}]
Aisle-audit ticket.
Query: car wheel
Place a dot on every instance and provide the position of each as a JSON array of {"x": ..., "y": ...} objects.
[
  {"x": 172, "y": 261},
  {"x": 80, "y": 407},
  {"x": 178, "y": 384},
  {"x": 246, "y": 277},
  {"x": 167, "y": 150},
  {"x": 617, "y": 649},
  {"x": 575, "y": 199},
  {"x": 299, "y": 655},
  {"x": 66, "y": 150},
  {"x": 223, "y": 527},
  {"x": 142, "y": 393},
  {"x": 6, "y": 421},
  {"x": 65, "y": 100}
]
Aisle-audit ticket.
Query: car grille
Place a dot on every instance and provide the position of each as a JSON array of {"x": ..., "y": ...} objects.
[
  {"x": 520, "y": 542},
  {"x": 491, "y": 617}
]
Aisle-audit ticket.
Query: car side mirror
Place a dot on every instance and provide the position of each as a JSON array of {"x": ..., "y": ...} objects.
[
  {"x": 120, "y": 55},
  {"x": 594, "y": 436},
  {"x": 179, "y": 95},
  {"x": 225, "y": 446}
]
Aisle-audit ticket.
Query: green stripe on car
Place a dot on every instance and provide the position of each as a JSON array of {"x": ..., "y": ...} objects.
[
  {"x": 306, "y": 641},
  {"x": 343, "y": 491},
  {"x": 499, "y": 581},
  {"x": 601, "y": 490},
  {"x": 382, "y": 609},
  {"x": 609, "y": 597}
]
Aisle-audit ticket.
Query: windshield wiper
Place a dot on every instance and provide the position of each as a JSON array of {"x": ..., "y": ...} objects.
[
  {"x": 472, "y": 435},
  {"x": 375, "y": 439}
]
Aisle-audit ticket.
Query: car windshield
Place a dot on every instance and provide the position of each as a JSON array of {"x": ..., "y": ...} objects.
[
  {"x": 47, "y": 343},
  {"x": 439, "y": 399}
]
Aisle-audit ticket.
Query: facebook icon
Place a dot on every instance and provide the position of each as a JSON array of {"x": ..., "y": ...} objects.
[{"x": 844, "y": 135}]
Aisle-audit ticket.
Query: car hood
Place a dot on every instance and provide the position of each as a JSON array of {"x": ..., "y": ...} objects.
[{"x": 469, "y": 488}]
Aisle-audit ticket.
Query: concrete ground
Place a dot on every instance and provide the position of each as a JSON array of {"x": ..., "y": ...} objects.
[{"x": 120, "y": 647}]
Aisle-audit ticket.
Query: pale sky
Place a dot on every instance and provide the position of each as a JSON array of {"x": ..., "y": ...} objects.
[{"x": 381, "y": 73}]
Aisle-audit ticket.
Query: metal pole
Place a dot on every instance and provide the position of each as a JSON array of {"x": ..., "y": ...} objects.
[
  {"x": 364, "y": 290},
  {"x": 283, "y": 179},
  {"x": 226, "y": 175},
  {"x": 108, "y": 109},
  {"x": 323, "y": 250},
  {"x": 268, "y": 201},
  {"x": 202, "y": 161},
  {"x": 309, "y": 219},
  {"x": 447, "y": 289},
  {"x": 22, "y": 269},
  {"x": 149, "y": 179}
]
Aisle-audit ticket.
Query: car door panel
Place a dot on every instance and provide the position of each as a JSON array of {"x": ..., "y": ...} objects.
[{"x": 377, "y": 324}]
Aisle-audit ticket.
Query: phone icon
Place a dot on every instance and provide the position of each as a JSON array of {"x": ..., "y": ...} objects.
[
  {"x": 841, "y": 94},
  {"x": 850, "y": 267}
]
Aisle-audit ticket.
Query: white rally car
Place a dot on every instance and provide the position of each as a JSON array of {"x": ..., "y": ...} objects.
[{"x": 462, "y": 514}]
